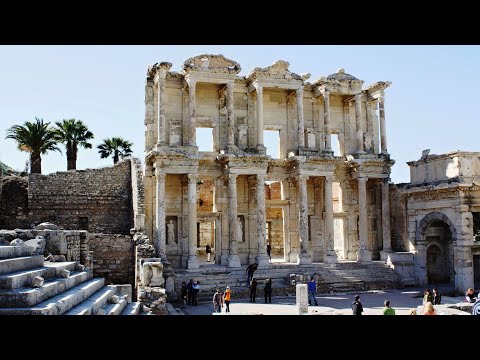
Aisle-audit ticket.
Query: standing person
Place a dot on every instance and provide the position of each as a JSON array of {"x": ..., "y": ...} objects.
[
  {"x": 253, "y": 290},
  {"x": 427, "y": 297},
  {"x": 312, "y": 291},
  {"x": 218, "y": 301},
  {"x": 195, "y": 291},
  {"x": 268, "y": 291},
  {"x": 357, "y": 307},
  {"x": 250, "y": 270},
  {"x": 208, "y": 250},
  {"x": 387, "y": 310},
  {"x": 190, "y": 292},
  {"x": 226, "y": 298},
  {"x": 269, "y": 250},
  {"x": 184, "y": 293},
  {"x": 437, "y": 298}
]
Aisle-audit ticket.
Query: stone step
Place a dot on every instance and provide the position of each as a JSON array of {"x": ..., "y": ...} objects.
[
  {"x": 132, "y": 309},
  {"x": 24, "y": 278},
  {"x": 91, "y": 305},
  {"x": 28, "y": 297},
  {"x": 8, "y": 252},
  {"x": 116, "y": 309},
  {"x": 20, "y": 263},
  {"x": 61, "y": 303}
]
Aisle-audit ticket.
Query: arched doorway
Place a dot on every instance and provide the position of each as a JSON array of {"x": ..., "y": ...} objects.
[{"x": 438, "y": 233}]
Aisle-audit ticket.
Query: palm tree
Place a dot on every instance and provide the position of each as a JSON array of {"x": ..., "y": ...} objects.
[
  {"x": 73, "y": 133},
  {"x": 116, "y": 146},
  {"x": 36, "y": 138}
]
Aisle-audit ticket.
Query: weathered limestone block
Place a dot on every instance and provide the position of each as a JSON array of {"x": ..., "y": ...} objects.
[
  {"x": 65, "y": 273},
  {"x": 56, "y": 243},
  {"x": 100, "y": 312},
  {"x": 8, "y": 235},
  {"x": 38, "y": 244},
  {"x": 37, "y": 281},
  {"x": 153, "y": 273},
  {"x": 155, "y": 299},
  {"x": 302, "y": 299},
  {"x": 4, "y": 242},
  {"x": 57, "y": 258},
  {"x": 79, "y": 267},
  {"x": 114, "y": 299},
  {"x": 46, "y": 225},
  {"x": 17, "y": 242},
  {"x": 25, "y": 234}
]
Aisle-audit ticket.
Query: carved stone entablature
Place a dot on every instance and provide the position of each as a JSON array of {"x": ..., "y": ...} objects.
[
  {"x": 275, "y": 72},
  {"x": 212, "y": 64},
  {"x": 339, "y": 83},
  {"x": 439, "y": 194},
  {"x": 157, "y": 68},
  {"x": 245, "y": 164},
  {"x": 175, "y": 163},
  {"x": 377, "y": 89},
  {"x": 298, "y": 165},
  {"x": 372, "y": 168}
]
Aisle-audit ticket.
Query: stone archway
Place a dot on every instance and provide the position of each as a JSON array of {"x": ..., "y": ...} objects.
[
  {"x": 436, "y": 265},
  {"x": 424, "y": 224}
]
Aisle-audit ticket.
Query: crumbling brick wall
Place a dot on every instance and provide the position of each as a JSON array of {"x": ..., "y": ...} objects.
[
  {"x": 14, "y": 202},
  {"x": 113, "y": 258},
  {"x": 97, "y": 200}
]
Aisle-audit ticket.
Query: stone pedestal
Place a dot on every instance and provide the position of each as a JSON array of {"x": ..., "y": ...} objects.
[{"x": 302, "y": 299}]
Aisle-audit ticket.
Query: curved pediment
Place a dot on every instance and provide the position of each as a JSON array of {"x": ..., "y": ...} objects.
[{"x": 211, "y": 63}]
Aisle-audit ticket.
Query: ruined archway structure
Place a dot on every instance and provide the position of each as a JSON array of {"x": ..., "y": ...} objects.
[{"x": 209, "y": 93}]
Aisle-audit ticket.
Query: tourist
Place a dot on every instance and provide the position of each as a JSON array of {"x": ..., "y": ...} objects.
[
  {"x": 470, "y": 296},
  {"x": 269, "y": 250},
  {"x": 226, "y": 298},
  {"x": 427, "y": 297},
  {"x": 268, "y": 291},
  {"x": 218, "y": 301},
  {"x": 312, "y": 291},
  {"x": 184, "y": 293},
  {"x": 437, "y": 298},
  {"x": 190, "y": 292},
  {"x": 250, "y": 270},
  {"x": 357, "y": 307},
  {"x": 428, "y": 309},
  {"x": 195, "y": 291},
  {"x": 208, "y": 250},
  {"x": 253, "y": 290},
  {"x": 387, "y": 310}
]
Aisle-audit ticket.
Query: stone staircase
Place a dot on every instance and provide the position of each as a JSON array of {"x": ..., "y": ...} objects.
[
  {"x": 77, "y": 294},
  {"x": 343, "y": 277}
]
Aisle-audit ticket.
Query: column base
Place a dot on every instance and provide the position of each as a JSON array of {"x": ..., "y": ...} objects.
[
  {"x": 262, "y": 150},
  {"x": 232, "y": 149},
  {"x": 385, "y": 256},
  {"x": 364, "y": 255},
  {"x": 263, "y": 261},
  {"x": 330, "y": 257},
  {"x": 192, "y": 263},
  {"x": 304, "y": 258},
  {"x": 360, "y": 152},
  {"x": 233, "y": 261}
]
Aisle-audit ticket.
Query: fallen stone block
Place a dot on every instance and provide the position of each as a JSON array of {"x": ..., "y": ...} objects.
[
  {"x": 79, "y": 267},
  {"x": 8, "y": 235},
  {"x": 38, "y": 244},
  {"x": 65, "y": 273},
  {"x": 58, "y": 258},
  {"x": 114, "y": 299},
  {"x": 38, "y": 281},
  {"x": 46, "y": 225},
  {"x": 100, "y": 312},
  {"x": 17, "y": 242}
]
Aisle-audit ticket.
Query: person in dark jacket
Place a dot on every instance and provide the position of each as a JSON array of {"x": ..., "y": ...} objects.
[
  {"x": 189, "y": 292},
  {"x": 184, "y": 293},
  {"x": 312, "y": 291},
  {"x": 208, "y": 250},
  {"x": 268, "y": 291},
  {"x": 250, "y": 270},
  {"x": 357, "y": 307},
  {"x": 253, "y": 290},
  {"x": 437, "y": 298},
  {"x": 269, "y": 250}
]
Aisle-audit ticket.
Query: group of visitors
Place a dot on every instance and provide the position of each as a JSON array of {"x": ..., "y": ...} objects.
[
  {"x": 220, "y": 299},
  {"x": 189, "y": 293}
]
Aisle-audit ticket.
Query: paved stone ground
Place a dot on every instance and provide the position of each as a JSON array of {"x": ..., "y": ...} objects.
[{"x": 402, "y": 300}]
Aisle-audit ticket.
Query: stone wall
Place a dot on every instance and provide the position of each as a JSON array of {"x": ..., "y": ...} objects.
[
  {"x": 113, "y": 258},
  {"x": 97, "y": 200},
  {"x": 138, "y": 194},
  {"x": 14, "y": 202},
  {"x": 398, "y": 218}
]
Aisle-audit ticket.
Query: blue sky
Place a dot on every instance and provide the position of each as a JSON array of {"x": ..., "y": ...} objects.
[{"x": 430, "y": 104}]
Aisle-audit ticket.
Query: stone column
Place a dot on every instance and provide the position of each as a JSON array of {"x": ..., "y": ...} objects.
[
  {"x": 260, "y": 143},
  {"x": 162, "y": 72},
  {"x": 230, "y": 116},
  {"x": 326, "y": 116},
  {"x": 383, "y": 130},
  {"x": 303, "y": 257},
  {"x": 149, "y": 115},
  {"x": 358, "y": 122},
  {"x": 387, "y": 242},
  {"x": 300, "y": 118},
  {"x": 262, "y": 257},
  {"x": 233, "y": 258},
  {"x": 192, "y": 125},
  {"x": 160, "y": 241},
  {"x": 192, "y": 261},
  {"x": 363, "y": 254},
  {"x": 330, "y": 255}
]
